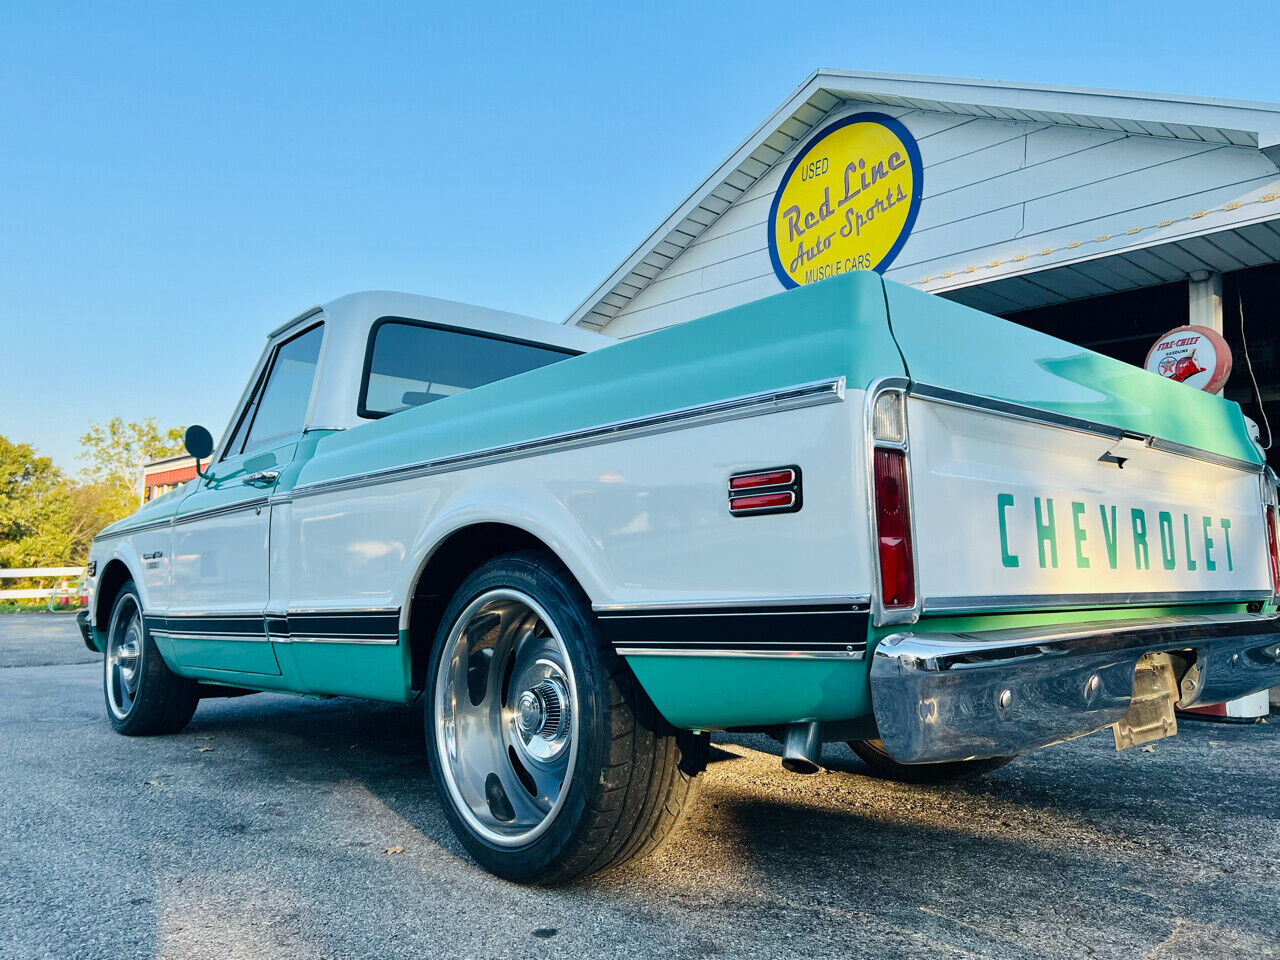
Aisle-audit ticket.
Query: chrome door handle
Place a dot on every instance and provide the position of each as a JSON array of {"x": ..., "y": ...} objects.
[{"x": 263, "y": 478}]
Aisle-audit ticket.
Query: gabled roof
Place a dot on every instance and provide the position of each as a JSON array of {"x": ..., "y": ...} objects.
[{"x": 1199, "y": 119}]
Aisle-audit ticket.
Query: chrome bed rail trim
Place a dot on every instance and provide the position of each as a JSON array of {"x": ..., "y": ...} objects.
[{"x": 750, "y": 405}]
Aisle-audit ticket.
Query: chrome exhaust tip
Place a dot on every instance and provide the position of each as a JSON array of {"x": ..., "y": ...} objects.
[{"x": 802, "y": 747}]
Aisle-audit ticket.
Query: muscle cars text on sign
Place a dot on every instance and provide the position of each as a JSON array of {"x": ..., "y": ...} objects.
[{"x": 848, "y": 200}]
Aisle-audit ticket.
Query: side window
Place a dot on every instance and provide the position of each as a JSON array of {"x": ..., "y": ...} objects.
[
  {"x": 409, "y": 364},
  {"x": 279, "y": 407},
  {"x": 232, "y": 447}
]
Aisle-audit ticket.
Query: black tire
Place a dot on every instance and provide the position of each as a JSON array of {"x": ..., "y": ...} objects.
[
  {"x": 873, "y": 754},
  {"x": 631, "y": 776},
  {"x": 159, "y": 700}
]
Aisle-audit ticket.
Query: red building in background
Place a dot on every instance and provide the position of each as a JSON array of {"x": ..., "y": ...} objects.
[{"x": 169, "y": 473}]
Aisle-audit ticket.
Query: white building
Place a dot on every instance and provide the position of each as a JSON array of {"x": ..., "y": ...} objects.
[{"x": 1104, "y": 217}]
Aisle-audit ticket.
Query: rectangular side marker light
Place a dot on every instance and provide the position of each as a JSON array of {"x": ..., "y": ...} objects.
[
  {"x": 767, "y": 478},
  {"x": 776, "y": 490}
]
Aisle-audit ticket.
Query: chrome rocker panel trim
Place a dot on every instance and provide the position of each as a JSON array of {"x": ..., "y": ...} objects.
[{"x": 938, "y": 697}]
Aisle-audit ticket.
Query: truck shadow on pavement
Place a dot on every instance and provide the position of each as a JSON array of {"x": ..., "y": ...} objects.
[
  {"x": 264, "y": 829},
  {"x": 1124, "y": 851}
]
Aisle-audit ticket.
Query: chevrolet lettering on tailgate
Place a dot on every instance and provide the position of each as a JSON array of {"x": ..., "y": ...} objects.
[
  {"x": 1116, "y": 525},
  {"x": 839, "y": 513}
]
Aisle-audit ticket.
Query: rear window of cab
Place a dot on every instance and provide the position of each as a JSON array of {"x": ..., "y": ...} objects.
[{"x": 409, "y": 363}]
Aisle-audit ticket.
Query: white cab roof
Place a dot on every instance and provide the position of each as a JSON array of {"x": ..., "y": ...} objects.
[{"x": 348, "y": 320}]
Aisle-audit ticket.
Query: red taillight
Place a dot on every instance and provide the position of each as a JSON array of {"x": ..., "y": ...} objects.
[
  {"x": 1270, "y": 517},
  {"x": 893, "y": 528}
]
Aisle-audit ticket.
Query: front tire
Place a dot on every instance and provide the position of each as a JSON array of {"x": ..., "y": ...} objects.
[
  {"x": 144, "y": 697},
  {"x": 549, "y": 760},
  {"x": 873, "y": 754}
]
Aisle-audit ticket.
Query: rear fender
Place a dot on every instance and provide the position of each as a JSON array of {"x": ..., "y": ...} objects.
[{"x": 526, "y": 508}]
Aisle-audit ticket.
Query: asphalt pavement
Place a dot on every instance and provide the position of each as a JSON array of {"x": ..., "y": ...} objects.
[{"x": 263, "y": 831}]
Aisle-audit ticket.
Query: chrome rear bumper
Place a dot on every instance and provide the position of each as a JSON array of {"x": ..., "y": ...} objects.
[{"x": 951, "y": 696}]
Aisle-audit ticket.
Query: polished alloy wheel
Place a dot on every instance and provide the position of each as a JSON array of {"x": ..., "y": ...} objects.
[
  {"x": 124, "y": 656},
  {"x": 506, "y": 717}
]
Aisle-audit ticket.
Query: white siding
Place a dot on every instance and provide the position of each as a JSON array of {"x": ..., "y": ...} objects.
[{"x": 994, "y": 189}]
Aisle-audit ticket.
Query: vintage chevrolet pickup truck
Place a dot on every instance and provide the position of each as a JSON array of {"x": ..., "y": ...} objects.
[{"x": 849, "y": 512}]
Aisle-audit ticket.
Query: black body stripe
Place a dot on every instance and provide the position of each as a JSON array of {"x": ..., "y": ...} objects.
[
  {"x": 353, "y": 624},
  {"x": 800, "y": 629},
  {"x": 237, "y": 625},
  {"x": 336, "y": 625}
]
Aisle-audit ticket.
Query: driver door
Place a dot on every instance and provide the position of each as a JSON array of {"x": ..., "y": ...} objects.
[{"x": 221, "y": 533}]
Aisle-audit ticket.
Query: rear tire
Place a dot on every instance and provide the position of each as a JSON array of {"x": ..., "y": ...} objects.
[
  {"x": 144, "y": 697},
  {"x": 549, "y": 760},
  {"x": 873, "y": 754}
]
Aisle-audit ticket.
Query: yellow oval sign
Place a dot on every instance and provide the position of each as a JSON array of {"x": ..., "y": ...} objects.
[{"x": 848, "y": 200}]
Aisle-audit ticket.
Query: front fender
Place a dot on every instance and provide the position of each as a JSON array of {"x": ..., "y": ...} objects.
[{"x": 113, "y": 564}]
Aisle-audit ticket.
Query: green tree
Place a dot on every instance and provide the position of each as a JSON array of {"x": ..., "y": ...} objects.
[
  {"x": 35, "y": 508},
  {"x": 47, "y": 518},
  {"x": 91, "y": 506},
  {"x": 115, "y": 451}
]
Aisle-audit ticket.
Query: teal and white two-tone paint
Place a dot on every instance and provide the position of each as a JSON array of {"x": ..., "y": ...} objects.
[
  {"x": 1022, "y": 448},
  {"x": 788, "y": 516}
]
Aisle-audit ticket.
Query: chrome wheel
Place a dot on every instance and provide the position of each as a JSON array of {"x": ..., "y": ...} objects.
[
  {"x": 506, "y": 717},
  {"x": 124, "y": 656}
]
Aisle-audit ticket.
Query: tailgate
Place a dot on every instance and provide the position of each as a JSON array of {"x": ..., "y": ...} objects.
[
  {"x": 1043, "y": 474},
  {"x": 1013, "y": 513}
]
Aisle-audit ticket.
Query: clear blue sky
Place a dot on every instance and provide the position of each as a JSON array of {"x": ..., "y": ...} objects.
[{"x": 177, "y": 178}]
